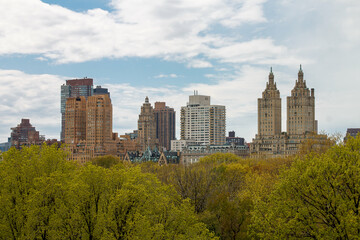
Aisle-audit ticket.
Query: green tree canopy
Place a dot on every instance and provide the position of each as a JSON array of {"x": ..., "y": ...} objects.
[
  {"x": 318, "y": 197},
  {"x": 44, "y": 196}
]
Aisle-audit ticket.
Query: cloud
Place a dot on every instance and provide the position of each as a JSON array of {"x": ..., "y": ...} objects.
[
  {"x": 172, "y": 30},
  {"x": 29, "y": 96},
  {"x": 172, "y": 75}
]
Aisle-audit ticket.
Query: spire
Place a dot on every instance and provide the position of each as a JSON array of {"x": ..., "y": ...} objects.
[
  {"x": 271, "y": 77},
  {"x": 300, "y": 75},
  {"x": 146, "y": 99}
]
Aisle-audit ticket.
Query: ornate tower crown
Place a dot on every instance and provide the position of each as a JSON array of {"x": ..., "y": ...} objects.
[{"x": 271, "y": 89}]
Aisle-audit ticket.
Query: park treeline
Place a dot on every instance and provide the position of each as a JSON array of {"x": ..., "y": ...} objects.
[{"x": 315, "y": 195}]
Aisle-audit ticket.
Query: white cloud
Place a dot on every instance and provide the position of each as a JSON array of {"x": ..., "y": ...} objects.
[
  {"x": 173, "y": 30},
  {"x": 172, "y": 75},
  {"x": 29, "y": 96}
]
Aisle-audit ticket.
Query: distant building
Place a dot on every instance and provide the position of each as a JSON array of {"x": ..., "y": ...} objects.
[
  {"x": 25, "y": 135},
  {"x": 192, "y": 154},
  {"x": 301, "y": 108},
  {"x": 101, "y": 91},
  {"x": 165, "y": 124},
  {"x": 301, "y": 123},
  {"x": 179, "y": 145},
  {"x": 147, "y": 127},
  {"x": 75, "y": 120},
  {"x": 202, "y": 122},
  {"x": 351, "y": 132},
  {"x": 88, "y": 127},
  {"x": 5, "y": 146},
  {"x": 162, "y": 158},
  {"x": 133, "y": 135},
  {"x": 231, "y": 139},
  {"x": 73, "y": 88}
]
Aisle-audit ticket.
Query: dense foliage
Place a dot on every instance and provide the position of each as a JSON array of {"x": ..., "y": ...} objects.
[
  {"x": 43, "y": 196},
  {"x": 313, "y": 195},
  {"x": 317, "y": 198}
]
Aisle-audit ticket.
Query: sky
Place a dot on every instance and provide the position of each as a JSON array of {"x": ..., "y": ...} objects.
[{"x": 166, "y": 49}]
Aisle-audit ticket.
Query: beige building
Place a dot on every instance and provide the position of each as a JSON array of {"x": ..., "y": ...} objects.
[
  {"x": 269, "y": 109},
  {"x": 88, "y": 127},
  {"x": 301, "y": 108},
  {"x": 301, "y": 123},
  {"x": 147, "y": 127},
  {"x": 75, "y": 120}
]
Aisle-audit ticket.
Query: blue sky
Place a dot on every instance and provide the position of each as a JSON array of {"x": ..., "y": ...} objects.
[{"x": 165, "y": 49}]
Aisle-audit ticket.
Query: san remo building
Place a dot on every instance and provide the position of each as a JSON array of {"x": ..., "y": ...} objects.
[{"x": 301, "y": 123}]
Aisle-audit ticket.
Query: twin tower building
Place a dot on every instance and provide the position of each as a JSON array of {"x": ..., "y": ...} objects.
[{"x": 301, "y": 123}]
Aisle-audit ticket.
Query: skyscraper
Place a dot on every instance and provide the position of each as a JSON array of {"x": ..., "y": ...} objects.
[
  {"x": 147, "y": 126},
  {"x": 75, "y": 120},
  {"x": 99, "y": 120},
  {"x": 88, "y": 127},
  {"x": 301, "y": 108},
  {"x": 202, "y": 122},
  {"x": 73, "y": 88},
  {"x": 269, "y": 109},
  {"x": 165, "y": 124}
]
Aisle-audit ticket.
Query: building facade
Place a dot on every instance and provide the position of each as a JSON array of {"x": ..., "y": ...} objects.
[
  {"x": 203, "y": 123},
  {"x": 192, "y": 154},
  {"x": 75, "y": 120},
  {"x": 269, "y": 109},
  {"x": 301, "y": 108},
  {"x": 147, "y": 127},
  {"x": 88, "y": 127},
  {"x": 73, "y": 88},
  {"x": 165, "y": 124},
  {"x": 101, "y": 91},
  {"x": 24, "y": 134},
  {"x": 232, "y": 140}
]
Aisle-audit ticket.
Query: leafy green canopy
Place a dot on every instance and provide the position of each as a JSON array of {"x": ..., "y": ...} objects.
[
  {"x": 44, "y": 196},
  {"x": 318, "y": 197}
]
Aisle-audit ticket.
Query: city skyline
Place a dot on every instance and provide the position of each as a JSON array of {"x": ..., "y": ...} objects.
[{"x": 222, "y": 49}]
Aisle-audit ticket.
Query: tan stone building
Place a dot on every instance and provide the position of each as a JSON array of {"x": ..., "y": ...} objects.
[
  {"x": 301, "y": 108},
  {"x": 269, "y": 109},
  {"x": 301, "y": 123},
  {"x": 75, "y": 120},
  {"x": 147, "y": 127},
  {"x": 88, "y": 127}
]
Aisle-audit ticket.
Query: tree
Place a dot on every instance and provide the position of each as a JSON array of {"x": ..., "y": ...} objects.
[
  {"x": 45, "y": 196},
  {"x": 105, "y": 161},
  {"x": 317, "y": 198}
]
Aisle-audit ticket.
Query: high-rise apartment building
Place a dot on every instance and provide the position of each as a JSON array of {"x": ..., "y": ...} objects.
[
  {"x": 269, "y": 109},
  {"x": 99, "y": 120},
  {"x": 75, "y": 120},
  {"x": 147, "y": 127},
  {"x": 165, "y": 124},
  {"x": 202, "y": 122},
  {"x": 88, "y": 127},
  {"x": 301, "y": 108},
  {"x": 73, "y": 88}
]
